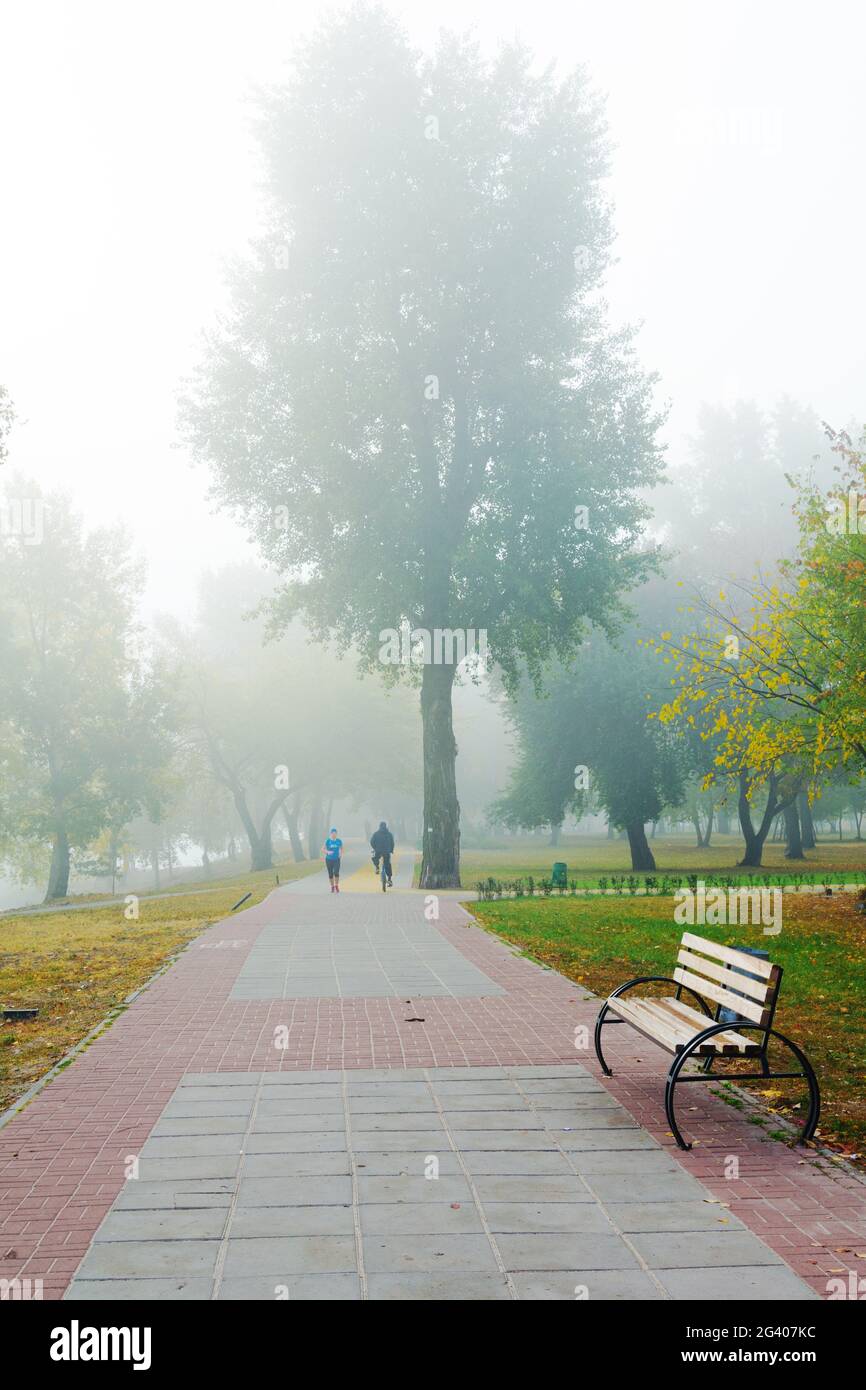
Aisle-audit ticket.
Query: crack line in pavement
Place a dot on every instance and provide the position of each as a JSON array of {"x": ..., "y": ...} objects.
[
  {"x": 595, "y": 1197},
  {"x": 230, "y": 1214},
  {"x": 509, "y": 1282},
  {"x": 356, "y": 1214}
]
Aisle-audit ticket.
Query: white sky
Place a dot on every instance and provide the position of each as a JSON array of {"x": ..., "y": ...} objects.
[{"x": 128, "y": 175}]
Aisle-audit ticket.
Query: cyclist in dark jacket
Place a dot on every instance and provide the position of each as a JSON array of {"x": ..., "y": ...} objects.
[{"x": 382, "y": 842}]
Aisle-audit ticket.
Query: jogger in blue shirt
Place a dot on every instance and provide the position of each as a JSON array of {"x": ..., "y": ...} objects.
[{"x": 333, "y": 849}]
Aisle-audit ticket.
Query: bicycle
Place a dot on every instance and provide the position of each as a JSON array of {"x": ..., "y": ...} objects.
[{"x": 385, "y": 871}]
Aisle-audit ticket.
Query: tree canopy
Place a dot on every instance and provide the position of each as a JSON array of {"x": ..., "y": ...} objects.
[{"x": 415, "y": 387}]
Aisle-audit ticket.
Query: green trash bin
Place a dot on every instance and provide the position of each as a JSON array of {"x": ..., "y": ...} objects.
[{"x": 559, "y": 876}]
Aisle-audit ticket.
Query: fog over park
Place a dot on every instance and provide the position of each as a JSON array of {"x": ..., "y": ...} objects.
[
  {"x": 432, "y": 629},
  {"x": 326, "y": 331}
]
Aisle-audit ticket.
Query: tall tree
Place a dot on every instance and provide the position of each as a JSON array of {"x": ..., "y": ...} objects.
[
  {"x": 416, "y": 388},
  {"x": 594, "y": 717},
  {"x": 74, "y": 702}
]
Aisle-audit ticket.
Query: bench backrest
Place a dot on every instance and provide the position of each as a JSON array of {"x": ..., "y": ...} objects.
[{"x": 717, "y": 977}]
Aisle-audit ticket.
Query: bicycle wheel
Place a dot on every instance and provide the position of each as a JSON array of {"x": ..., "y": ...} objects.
[{"x": 384, "y": 880}]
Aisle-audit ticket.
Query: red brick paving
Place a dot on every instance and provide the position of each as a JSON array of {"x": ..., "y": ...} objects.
[{"x": 62, "y": 1158}]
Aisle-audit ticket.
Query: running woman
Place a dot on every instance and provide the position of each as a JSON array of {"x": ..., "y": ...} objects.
[{"x": 333, "y": 848}]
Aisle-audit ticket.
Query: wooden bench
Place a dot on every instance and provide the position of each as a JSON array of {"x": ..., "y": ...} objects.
[{"x": 726, "y": 977}]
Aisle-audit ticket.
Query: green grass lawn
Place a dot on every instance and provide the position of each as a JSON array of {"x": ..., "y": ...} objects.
[
  {"x": 602, "y": 942},
  {"x": 75, "y": 967},
  {"x": 590, "y": 857}
]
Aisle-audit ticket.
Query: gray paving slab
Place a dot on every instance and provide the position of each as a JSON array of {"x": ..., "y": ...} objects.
[
  {"x": 645, "y": 1163},
  {"x": 428, "y": 1254},
  {"x": 217, "y": 1124},
  {"x": 191, "y": 1145},
  {"x": 136, "y": 1195},
  {"x": 285, "y": 1166},
  {"x": 381, "y": 959},
  {"x": 298, "y": 1124},
  {"x": 203, "y": 1110},
  {"x": 622, "y": 1285},
  {"x": 680, "y": 1250},
  {"x": 554, "y": 1251},
  {"x": 128, "y": 1259},
  {"x": 421, "y": 1218},
  {"x": 298, "y": 1288},
  {"x": 395, "y": 1140},
  {"x": 528, "y": 1190},
  {"x": 170, "y": 1289},
  {"x": 411, "y": 1163},
  {"x": 532, "y": 1162},
  {"x": 499, "y": 1140},
  {"x": 281, "y": 1255},
  {"x": 672, "y": 1216},
  {"x": 185, "y": 1223},
  {"x": 770, "y": 1283},
  {"x": 514, "y": 1218},
  {"x": 300, "y": 1191},
  {"x": 438, "y": 1287},
  {"x": 320, "y": 1187},
  {"x": 652, "y": 1187},
  {"x": 258, "y": 1222}
]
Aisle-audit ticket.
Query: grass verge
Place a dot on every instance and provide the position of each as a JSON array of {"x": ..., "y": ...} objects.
[
  {"x": 77, "y": 966},
  {"x": 589, "y": 858}
]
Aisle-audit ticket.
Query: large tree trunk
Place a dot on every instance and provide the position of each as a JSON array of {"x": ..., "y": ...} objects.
[
  {"x": 262, "y": 850},
  {"x": 113, "y": 842},
  {"x": 754, "y": 839},
  {"x": 58, "y": 874},
  {"x": 641, "y": 854},
  {"x": 291, "y": 819},
  {"x": 807, "y": 824},
  {"x": 440, "y": 853},
  {"x": 315, "y": 834},
  {"x": 555, "y": 832},
  {"x": 261, "y": 847},
  {"x": 794, "y": 845},
  {"x": 708, "y": 830}
]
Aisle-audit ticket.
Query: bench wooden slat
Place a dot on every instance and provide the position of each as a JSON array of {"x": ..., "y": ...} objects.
[
  {"x": 672, "y": 1025},
  {"x": 727, "y": 976},
  {"x": 729, "y": 954},
  {"x": 697, "y": 1021},
  {"x": 651, "y": 1028},
  {"x": 740, "y": 1005},
  {"x": 691, "y": 1022}
]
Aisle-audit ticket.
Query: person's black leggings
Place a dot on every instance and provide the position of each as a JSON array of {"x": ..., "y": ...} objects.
[
  {"x": 386, "y": 859},
  {"x": 333, "y": 868}
]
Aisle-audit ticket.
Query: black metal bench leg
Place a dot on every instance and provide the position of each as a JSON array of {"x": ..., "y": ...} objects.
[
  {"x": 814, "y": 1114},
  {"x": 669, "y": 1104},
  {"x": 807, "y": 1073},
  {"x": 598, "y": 1052}
]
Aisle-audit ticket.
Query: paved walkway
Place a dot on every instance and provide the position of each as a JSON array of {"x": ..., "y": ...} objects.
[{"x": 335, "y": 1098}]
